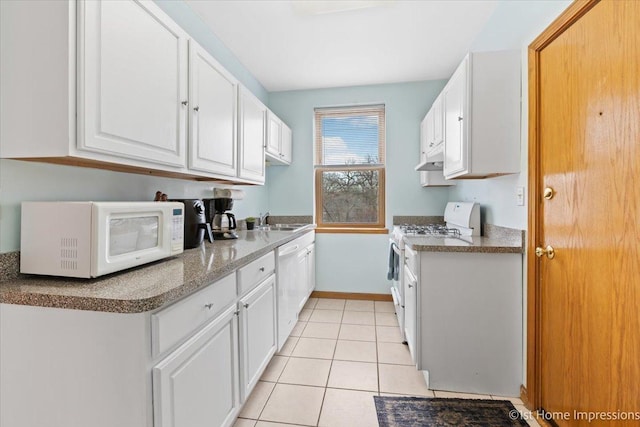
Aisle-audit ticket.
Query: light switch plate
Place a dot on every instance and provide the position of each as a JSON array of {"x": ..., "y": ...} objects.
[{"x": 519, "y": 196}]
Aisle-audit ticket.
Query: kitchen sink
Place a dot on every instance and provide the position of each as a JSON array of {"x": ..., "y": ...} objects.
[{"x": 289, "y": 227}]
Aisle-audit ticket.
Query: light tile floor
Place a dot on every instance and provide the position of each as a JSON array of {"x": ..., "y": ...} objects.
[{"x": 339, "y": 355}]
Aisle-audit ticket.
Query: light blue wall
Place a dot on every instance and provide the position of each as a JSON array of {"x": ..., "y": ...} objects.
[
  {"x": 21, "y": 181},
  {"x": 356, "y": 262},
  {"x": 191, "y": 22},
  {"x": 513, "y": 25}
]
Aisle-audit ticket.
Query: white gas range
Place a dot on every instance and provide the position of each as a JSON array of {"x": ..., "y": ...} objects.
[{"x": 462, "y": 219}]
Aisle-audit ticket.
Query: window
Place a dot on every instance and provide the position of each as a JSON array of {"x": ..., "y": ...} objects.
[{"x": 349, "y": 169}]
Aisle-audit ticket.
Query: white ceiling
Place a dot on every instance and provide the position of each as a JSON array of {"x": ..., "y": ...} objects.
[{"x": 398, "y": 41}]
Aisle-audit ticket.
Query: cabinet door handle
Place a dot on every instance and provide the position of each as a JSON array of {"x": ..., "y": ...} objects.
[
  {"x": 185, "y": 103},
  {"x": 261, "y": 269},
  {"x": 459, "y": 118},
  {"x": 196, "y": 109},
  {"x": 245, "y": 305},
  {"x": 410, "y": 286},
  {"x": 209, "y": 306}
]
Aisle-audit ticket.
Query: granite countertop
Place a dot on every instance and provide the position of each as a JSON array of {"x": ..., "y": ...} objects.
[
  {"x": 495, "y": 240},
  {"x": 150, "y": 286}
]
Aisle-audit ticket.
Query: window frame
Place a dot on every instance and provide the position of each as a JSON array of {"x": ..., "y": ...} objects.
[{"x": 378, "y": 227}]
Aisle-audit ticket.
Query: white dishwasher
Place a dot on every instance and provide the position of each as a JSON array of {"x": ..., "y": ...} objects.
[
  {"x": 287, "y": 273},
  {"x": 294, "y": 277}
]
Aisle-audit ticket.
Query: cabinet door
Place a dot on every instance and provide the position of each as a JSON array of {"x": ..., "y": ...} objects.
[
  {"x": 212, "y": 114},
  {"x": 197, "y": 385},
  {"x": 429, "y": 132},
  {"x": 274, "y": 135},
  {"x": 257, "y": 333},
  {"x": 286, "y": 144},
  {"x": 410, "y": 311},
  {"x": 311, "y": 268},
  {"x": 424, "y": 144},
  {"x": 132, "y": 82},
  {"x": 438, "y": 122},
  {"x": 456, "y": 141},
  {"x": 253, "y": 116},
  {"x": 301, "y": 285}
]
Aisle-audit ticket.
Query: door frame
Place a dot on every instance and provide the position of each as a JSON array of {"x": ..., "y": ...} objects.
[{"x": 531, "y": 394}]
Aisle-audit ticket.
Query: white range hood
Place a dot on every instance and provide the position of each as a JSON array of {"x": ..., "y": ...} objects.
[{"x": 433, "y": 163}]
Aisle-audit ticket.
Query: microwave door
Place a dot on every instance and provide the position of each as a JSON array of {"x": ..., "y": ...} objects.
[
  {"x": 128, "y": 238},
  {"x": 131, "y": 235}
]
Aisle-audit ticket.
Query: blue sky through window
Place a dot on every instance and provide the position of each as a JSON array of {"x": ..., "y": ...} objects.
[{"x": 350, "y": 140}]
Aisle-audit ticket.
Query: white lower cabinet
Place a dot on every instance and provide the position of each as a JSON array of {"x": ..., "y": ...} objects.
[
  {"x": 463, "y": 314},
  {"x": 306, "y": 272},
  {"x": 311, "y": 268},
  {"x": 410, "y": 308},
  {"x": 258, "y": 338},
  {"x": 197, "y": 384}
]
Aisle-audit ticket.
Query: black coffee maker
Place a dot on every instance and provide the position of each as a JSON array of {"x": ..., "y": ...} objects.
[
  {"x": 196, "y": 225},
  {"x": 223, "y": 222}
]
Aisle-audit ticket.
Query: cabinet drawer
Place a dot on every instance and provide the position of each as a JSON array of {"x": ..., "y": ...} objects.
[
  {"x": 255, "y": 272},
  {"x": 178, "y": 321}
]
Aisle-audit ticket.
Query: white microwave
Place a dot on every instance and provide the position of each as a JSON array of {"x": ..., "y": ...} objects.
[{"x": 90, "y": 239}]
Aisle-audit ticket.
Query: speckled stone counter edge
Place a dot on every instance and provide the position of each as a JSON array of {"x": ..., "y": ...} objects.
[
  {"x": 495, "y": 239},
  {"x": 11, "y": 295}
]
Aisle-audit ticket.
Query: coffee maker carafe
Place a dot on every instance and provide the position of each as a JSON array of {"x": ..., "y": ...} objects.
[{"x": 223, "y": 222}]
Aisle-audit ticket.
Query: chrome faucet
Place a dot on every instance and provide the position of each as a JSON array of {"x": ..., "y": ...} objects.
[{"x": 263, "y": 219}]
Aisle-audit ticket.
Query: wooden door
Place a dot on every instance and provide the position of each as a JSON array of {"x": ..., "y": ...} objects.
[
  {"x": 212, "y": 114},
  {"x": 133, "y": 82},
  {"x": 586, "y": 148}
]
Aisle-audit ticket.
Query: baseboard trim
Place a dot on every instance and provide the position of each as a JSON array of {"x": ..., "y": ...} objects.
[
  {"x": 351, "y": 295},
  {"x": 524, "y": 396}
]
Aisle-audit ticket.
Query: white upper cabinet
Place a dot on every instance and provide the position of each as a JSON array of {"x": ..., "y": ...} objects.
[
  {"x": 252, "y": 136},
  {"x": 431, "y": 135},
  {"x": 456, "y": 159},
  {"x": 273, "y": 136},
  {"x": 119, "y": 85},
  {"x": 482, "y": 116},
  {"x": 286, "y": 146},
  {"x": 132, "y": 82},
  {"x": 212, "y": 114},
  {"x": 436, "y": 124},
  {"x": 278, "y": 141}
]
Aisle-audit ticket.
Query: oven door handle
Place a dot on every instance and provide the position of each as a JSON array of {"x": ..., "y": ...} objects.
[
  {"x": 396, "y": 298},
  {"x": 396, "y": 249}
]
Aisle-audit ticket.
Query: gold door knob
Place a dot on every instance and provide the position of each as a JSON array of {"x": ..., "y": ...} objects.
[
  {"x": 548, "y": 193},
  {"x": 549, "y": 251}
]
